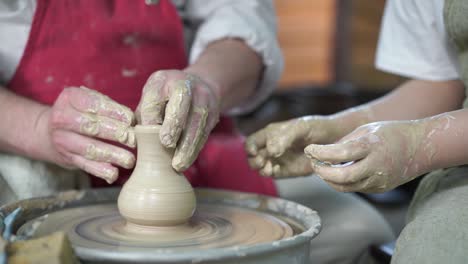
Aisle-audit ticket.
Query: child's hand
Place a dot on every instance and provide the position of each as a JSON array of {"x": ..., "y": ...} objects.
[
  {"x": 278, "y": 149},
  {"x": 373, "y": 158}
]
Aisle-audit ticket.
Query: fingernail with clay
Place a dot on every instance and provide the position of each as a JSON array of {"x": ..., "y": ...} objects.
[
  {"x": 128, "y": 161},
  {"x": 177, "y": 164},
  {"x": 308, "y": 151},
  {"x": 260, "y": 161},
  {"x": 276, "y": 170},
  {"x": 274, "y": 150},
  {"x": 268, "y": 168},
  {"x": 109, "y": 175},
  {"x": 251, "y": 148},
  {"x": 125, "y": 136},
  {"x": 131, "y": 140},
  {"x": 166, "y": 140}
]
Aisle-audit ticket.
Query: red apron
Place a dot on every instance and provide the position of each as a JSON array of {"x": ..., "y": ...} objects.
[{"x": 113, "y": 47}]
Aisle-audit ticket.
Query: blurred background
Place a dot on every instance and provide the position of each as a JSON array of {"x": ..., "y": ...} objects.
[{"x": 329, "y": 48}]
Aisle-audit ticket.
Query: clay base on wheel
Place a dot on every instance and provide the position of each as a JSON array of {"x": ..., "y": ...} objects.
[{"x": 102, "y": 227}]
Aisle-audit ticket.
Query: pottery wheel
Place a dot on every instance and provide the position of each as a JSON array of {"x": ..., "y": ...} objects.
[{"x": 102, "y": 227}]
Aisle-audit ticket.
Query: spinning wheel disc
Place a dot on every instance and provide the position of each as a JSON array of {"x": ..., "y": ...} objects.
[
  {"x": 228, "y": 228},
  {"x": 102, "y": 227}
]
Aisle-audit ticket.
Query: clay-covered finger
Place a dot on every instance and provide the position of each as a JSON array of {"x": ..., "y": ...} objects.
[
  {"x": 255, "y": 142},
  {"x": 347, "y": 151},
  {"x": 90, "y": 101},
  {"x": 150, "y": 110},
  {"x": 193, "y": 138},
  {"x": 342, "y": 174},
  {"x": 176, "y": 113},
  {"x": 282, "y": 171},
  {"x": 93, "y": 149},
  {"x": 106, "y": 128},
  {"x": 292, "y": 168},
  {"x": 93, "y": 125},
  {"x": 267, "y": 170},
  {"x": 277, "y": 170},
  {"x": 99, "y": 169},
  {"x": 282, "y": 136},
  {"x": 253, "y": 163},
  {"x": 258, "y": 161},
  {"x": 278, "y": 143}
]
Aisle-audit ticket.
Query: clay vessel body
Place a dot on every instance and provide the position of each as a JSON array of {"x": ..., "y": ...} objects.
[{"x": 155, "y": 194}]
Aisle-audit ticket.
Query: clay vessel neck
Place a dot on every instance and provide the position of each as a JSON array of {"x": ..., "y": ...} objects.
[{"x": 152, "y": 156}]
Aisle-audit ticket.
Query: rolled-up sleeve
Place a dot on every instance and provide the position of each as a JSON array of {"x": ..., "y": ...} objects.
[{"x": 253, "y": 21}]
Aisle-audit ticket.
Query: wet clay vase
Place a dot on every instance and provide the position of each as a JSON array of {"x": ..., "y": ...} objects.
[{"x": 155, "y": 194}]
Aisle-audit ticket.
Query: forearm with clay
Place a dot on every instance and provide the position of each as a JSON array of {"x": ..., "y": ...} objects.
[
  {"x": 381, "y": 156},
  {"x": 414, "y": 99},
  {"x": 445, "y": 142},
  {"x": 232, "y": 67},
  {"x": 277, "y": 150}
]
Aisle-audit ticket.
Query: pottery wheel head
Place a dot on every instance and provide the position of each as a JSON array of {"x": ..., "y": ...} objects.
[{"x": 102, "y": 227}]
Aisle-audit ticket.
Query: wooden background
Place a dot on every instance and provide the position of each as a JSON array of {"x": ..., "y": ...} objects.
[
  {"x": 306, "y": 30},
  {"x": 325, "y": 41}
]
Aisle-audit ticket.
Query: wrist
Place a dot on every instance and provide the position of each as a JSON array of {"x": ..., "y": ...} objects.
[
  {"x": 320, "y": 129},
  {"x": 22, "y": 126},
  {"x": 420, "y": 146},
  {"x": 214, "y": 86},
  {"x": 232, "y": 69},
  {"x": 350, "y": 119},
  {"x": 443, "y": 143},
  {"x": 40, "y": 147}
]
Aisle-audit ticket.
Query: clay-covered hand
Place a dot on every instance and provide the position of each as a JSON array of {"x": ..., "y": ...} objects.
[
  {"x": 278, "y": 149},
  {"x": 188, "y": 109},
  {"x": 76, "y": 122},
  {"x": 373, "y": 158}
]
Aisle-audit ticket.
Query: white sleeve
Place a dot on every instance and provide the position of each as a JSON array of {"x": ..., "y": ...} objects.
[
  {"x": 413, "y": 41},
  {"x": 15, "y": 23},
  {"x": 254, "y": 21}
]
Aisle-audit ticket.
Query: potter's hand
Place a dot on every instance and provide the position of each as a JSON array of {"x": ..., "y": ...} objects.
[
  {"x": 373, "y": 158},
  {"x": 278, "y": 149},
  {"x": 186, "y": 106},
  {"x": 77, "y": 118}
]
